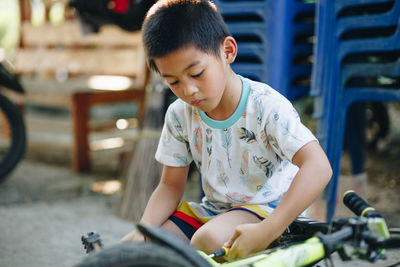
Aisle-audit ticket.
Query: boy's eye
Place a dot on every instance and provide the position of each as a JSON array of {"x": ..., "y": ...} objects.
[
  {"x": 198, "y": 75},
  {"x": 173, "y": 83}
]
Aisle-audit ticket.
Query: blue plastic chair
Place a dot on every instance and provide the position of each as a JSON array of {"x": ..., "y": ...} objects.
[
  {"x": 347, "y": 47},
  {"x": 329, "y": 12},
  {"x": 333, "y": 52},
  {"x": 351, "y": 46},
  {"x": 278, "y": 26}
]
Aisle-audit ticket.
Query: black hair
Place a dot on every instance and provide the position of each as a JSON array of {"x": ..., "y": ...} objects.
[{"x": 173, "y": 24}]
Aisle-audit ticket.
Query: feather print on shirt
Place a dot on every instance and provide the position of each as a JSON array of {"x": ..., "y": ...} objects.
[
  {"x": 246, "y": 135},
  {"x": 270, "y": 141},
  {"x": 198, "y": 139},
  {"x": 267, "y": 141},
  {"x": 177, "y": 124},
  {"x": 274, "y": 143},
  {"x": 258, "y": 100},
  {"x": 226, "y": 136},
  {"x": 238, "y": 198},
  {"x": 209, "y": 144},
  {"x": 244, "y": 167},
  {"x": 259, "y": 109},
  {"x": 266, "y": 190},
  {"x": 264, "y": 139},
  {"x": 179, "y": 133},
  {"x": 265, "y": 165},
  {"x": 221, "y": 176},
  {"x": 283, "y": 125}
]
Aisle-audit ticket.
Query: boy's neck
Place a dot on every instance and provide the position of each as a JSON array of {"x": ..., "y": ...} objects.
[{"x": 230, "y": 99}]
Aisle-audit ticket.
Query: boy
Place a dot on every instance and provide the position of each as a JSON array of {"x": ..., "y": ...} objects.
[{"x": 260, "y": 166}]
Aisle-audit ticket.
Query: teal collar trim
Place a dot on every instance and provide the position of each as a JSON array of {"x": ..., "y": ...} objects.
[{"x": 236, "y": 115}]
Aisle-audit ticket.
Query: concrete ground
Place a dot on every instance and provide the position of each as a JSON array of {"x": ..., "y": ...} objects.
[{"x": 44, "y": 210}]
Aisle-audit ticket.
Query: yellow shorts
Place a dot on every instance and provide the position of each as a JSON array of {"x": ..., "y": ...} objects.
[{"x": 190, "y": 216}]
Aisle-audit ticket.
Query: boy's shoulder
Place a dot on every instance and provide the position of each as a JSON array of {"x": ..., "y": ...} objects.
[{"x": 262, "y": 92}]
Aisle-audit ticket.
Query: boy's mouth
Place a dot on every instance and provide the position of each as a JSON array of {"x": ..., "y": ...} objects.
[{"x": 197, "y": 103}]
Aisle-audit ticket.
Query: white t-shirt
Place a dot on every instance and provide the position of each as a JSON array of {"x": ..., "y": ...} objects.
[{"x": 245, "y": 159}]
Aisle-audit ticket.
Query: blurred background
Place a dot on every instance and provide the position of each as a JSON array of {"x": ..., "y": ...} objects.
[{"x": 85, "y": 113}]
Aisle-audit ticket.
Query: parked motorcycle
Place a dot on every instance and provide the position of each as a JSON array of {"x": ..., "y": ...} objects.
[{"x": 12, "y": 125}]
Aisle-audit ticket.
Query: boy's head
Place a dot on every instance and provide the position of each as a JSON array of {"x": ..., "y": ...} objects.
[{"x": 174, "y": 24}]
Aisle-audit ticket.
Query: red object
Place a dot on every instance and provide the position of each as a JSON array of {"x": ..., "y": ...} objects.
[
  {"x": 190, "y": 220},
  {"x": 120, "y": 6}
]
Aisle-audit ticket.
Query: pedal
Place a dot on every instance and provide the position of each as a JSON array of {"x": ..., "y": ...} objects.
[{"x": 91, "y": 241}]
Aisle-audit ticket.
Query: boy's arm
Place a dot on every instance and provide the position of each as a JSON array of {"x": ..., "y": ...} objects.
[
  {"x": 313, "y": 175},
  {"x": 164, "y": 200}
]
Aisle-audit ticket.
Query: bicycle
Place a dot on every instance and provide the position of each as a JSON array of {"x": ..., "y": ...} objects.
[{"x": 305, "y": 243}]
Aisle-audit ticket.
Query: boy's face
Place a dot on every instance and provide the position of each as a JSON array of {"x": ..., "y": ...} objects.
[{"x": 196, "y": 77}]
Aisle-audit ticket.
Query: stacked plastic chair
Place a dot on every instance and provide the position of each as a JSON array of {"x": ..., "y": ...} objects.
[
  {"x": 275, "y": 40},
  {"x": 357, "y": 58}
]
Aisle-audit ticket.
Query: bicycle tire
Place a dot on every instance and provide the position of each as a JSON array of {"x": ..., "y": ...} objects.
[
  {"x": 16, "y": 149},
  {"x": 135, "y": 254}
]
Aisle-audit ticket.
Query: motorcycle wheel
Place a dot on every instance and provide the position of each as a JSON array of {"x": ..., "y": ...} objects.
[{"x": 12, "y": 137}]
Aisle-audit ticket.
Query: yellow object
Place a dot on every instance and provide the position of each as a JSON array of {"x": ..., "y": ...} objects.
[
  {"x": 219, "y": 252},
  {"x": 10, "y": 23},
  {"x": 57, "y": 13},
  {"x": 38, "y": 13},
  {"x": 366, "y": 210}
]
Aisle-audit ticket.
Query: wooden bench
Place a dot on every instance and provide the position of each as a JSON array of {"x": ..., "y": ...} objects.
[{"x": 58, "y": 51}]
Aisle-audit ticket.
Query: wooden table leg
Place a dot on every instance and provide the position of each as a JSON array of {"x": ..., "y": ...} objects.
[
  {"x": 4, "y": 126},
  {"x": 80, "y": 119},
  {"x": 142, "y": 108}
]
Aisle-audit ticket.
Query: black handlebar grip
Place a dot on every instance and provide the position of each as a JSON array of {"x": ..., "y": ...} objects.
[{"x": 358, "y": 205}]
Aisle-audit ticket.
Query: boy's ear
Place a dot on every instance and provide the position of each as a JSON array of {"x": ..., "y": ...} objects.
[{"x": 229, "y": 48}]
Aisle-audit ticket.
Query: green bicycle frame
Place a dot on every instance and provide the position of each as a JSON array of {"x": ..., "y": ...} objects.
[
  {"x": 297, "y": 255},
  {"x": 304, "y": 253}
]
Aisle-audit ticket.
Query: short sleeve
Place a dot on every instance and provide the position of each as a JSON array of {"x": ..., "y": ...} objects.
[
  {"x": 173, "y": 147},
  {"x": 285, "y": 133}
]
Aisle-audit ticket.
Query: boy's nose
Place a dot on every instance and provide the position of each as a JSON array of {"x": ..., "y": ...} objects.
[{"x": 190, "y": 89}]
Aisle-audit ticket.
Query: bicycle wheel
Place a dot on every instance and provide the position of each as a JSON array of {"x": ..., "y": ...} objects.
[
  {"x": 12, "y": 137},
  {"x": 135, "y": 254}
]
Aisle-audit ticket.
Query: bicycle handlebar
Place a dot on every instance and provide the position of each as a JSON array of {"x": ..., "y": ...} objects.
[
  {"x": 391, "y": 243},
  {"x": 333, "y": 241},
  {"x": 358, "y": 205}
]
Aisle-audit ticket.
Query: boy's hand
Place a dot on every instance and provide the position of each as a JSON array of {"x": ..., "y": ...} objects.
[
  {"x": 247, "y": 239},
  {"x": 134, "y": 236}
]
